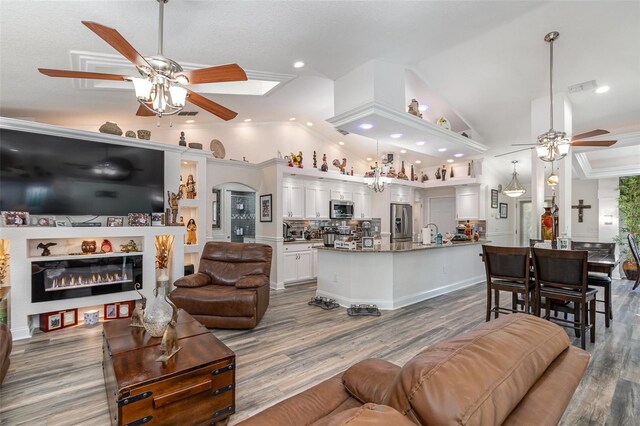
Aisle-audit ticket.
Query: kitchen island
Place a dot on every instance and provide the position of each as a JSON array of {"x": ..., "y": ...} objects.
[{"x": 397, "y": 274}]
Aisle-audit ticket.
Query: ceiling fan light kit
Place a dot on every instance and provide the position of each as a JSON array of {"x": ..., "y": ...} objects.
[
  {"x": 514, "y": 188},
  {"x": 159, "y": 90}
]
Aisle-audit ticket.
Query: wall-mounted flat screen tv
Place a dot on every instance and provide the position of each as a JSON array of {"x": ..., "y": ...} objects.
[{"x": 52, "y": 175}]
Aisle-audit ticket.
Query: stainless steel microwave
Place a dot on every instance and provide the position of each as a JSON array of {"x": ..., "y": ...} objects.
[{"x": 340, "y": 209}]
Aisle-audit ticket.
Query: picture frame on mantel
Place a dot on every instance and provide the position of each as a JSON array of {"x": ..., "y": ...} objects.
[
  {"x": 504, "y": 210},
  {"x": 266, "y": 208},
  {"x": 494, "y": 198}
]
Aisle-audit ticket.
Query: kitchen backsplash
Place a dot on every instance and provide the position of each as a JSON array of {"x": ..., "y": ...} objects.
[{"x": 298, "y": 226}]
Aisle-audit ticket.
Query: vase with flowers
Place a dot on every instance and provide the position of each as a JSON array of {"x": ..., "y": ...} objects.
[{"x": 158, "y": 313}]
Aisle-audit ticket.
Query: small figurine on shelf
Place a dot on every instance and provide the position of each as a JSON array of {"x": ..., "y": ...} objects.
[
  {"x": 351, "y": 170},
  {"x": 414, "y": 108},
  {"x": 183, "y": 142},
  {"x": 191, "y": 232},
  {"x": 296, "y": 160},
  {"x": 190, "y": 188},
  {"x": 451, "y": 172},
  {"x": 181, "y": 220},
  {"x": 173, "y": 204},
  {"x": 424, "y": 177},
  {"x": 325, "y": 166},
  {"x": 444, "y": 173},
  {"x": 105, "y": 247},
  {"x": 129, "y": 247},
  {"x": 181, "y": 188},
  {"x": 402, "y": 175},
  {"x": 413, "y": 175},
  {"x": 169, "y": 344},
  {"x": 438, "y": 173},
  {"x": 315, "y": 160},
  {"x": 45, "y": 248},
  {"x": 138, "y": 312},
  {"x": 342, "y": 166},
  {"x": 469, "y": 169}
]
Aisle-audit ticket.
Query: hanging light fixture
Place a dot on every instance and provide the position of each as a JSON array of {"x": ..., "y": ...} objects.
[
  {"x": 552, "y": 145},
  {"x": 552, "y": 180},
  {"x": 514, "y": 188},
  {"x": 376, "y": 180}
]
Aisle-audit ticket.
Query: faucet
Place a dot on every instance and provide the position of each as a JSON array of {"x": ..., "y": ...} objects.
[{"x": 435, "y": 226}]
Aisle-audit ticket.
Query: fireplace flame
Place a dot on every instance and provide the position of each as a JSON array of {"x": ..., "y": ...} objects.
[{"x": 82, "y": 280}]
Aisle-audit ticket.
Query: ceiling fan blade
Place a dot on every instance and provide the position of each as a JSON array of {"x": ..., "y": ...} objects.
[
  {"x": 593, "y": 143},
  {"x": 230, "y": 72},
  {"x": 208, "y": 105},
  {"x": 512, "y": 152},
  {"x": 143, "y": 112},
  {"x": 81, "y": 74},
  {"x": 115, "y": 39},
  {"x": 590, "y": 134},
  {"x": 523, "y": 144}
]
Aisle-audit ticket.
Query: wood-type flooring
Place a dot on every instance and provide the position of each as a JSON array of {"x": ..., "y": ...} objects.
[{"x": 56, "y": 378}]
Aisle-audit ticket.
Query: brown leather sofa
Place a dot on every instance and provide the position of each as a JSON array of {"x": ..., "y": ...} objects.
[
  {"x": 6, "y": 344},
  {"x": 516, "y": 370},
  {"x": 231, "y": 287}
]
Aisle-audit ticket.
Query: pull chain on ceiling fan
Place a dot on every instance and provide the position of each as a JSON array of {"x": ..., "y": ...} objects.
[
  {"x": 554, "y": 145},
  {"x": 159, "y": 89}
]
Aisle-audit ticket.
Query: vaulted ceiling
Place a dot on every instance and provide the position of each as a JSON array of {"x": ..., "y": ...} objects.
[{"x": 487, "y": 59}]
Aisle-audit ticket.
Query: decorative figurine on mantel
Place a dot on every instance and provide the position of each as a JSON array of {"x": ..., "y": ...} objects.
[
  {"x": 402, "y": 175},
  {"x": 190, "y": 188},
  {"x": 106, "y": 247},
  {"x": 444, "y": 172},
  {"x": 414, "y": 108},
  {"x": 173, "y": 204},
  {"x": 451, "y": 172},
  {"x": 191, "y": 232},
  {"x": 325, "y": 166},
  {"x": 182, "y": 142},
  {"x": 315, "y": 160},
  {"x": 169, "y": 345},
  {"x": 438, "y": 173},
  {"x": 413, "y": 175},
  {"x": 45, "y": 248},
  {"x": 342, "y": 166},
  {"x": 296, "y": 160},
  {"x": 138, "y": 312},
  {"x": 131, "y": 246}
]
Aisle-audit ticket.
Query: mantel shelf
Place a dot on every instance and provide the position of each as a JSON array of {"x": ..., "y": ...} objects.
[{"x": 83, "y": 256}]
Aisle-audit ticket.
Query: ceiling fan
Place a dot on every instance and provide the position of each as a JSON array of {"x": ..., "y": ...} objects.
[
  {"x": 159, "y": 90},
  {"x": 554, "y": 145}
]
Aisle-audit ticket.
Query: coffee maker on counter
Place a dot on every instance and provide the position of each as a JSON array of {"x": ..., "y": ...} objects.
[{"x": 286, "y": 232}]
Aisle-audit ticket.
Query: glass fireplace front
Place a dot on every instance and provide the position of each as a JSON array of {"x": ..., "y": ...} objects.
[{"x": 71, "y": 278}]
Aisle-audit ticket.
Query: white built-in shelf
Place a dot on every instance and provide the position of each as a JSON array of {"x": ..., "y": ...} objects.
[
  {"x": 192, "y": 248},
  {"x": 193, "y": 203},
  {"x": 84, "y": 256}
]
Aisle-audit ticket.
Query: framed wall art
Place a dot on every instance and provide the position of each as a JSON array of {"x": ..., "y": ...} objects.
[
  {"x": 115, "y": 221},
  {"x": 110, "y": 311},
  {"x": 69, "y": 317},
  {"x": 494, "y": 198},
  {"x": 125, "y": 309},
  {"x": 504, "y": 210},
  {"x": 139, "y": 219},
  {"x": 266, "y": 208},
  {"x": 50, "y": 321},
  {"x": 15, "y": 218}
]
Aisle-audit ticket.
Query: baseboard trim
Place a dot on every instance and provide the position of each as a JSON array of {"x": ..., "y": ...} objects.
[{"x": 20, "y": 333}]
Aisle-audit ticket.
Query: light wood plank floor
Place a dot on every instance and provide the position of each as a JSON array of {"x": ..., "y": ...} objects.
[{"x": 56, "y": 378}]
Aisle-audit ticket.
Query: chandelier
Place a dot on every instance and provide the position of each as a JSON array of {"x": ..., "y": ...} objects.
[
  {"x": 514, "y": 188},
  {"x": 552, "y": 145},
  {"x": 377, "y": 179}
]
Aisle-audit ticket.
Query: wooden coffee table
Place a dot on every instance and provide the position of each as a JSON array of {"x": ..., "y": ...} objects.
[{"x": 196, "y": 386}]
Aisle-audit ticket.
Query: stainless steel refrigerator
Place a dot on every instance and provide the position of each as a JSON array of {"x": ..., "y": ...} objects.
[{"x": 401, "y": 223}]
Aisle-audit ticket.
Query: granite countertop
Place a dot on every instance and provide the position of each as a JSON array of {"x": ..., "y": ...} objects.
[
  {"x": 303, "y": 241},
  {"x": 408, "y": 246}
]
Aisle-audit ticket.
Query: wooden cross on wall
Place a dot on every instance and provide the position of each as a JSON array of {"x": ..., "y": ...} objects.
[{"x": 581, "y": 206}]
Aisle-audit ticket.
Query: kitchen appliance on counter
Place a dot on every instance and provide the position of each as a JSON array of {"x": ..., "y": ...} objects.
[
  {"x": 286, "y": 232},
  {"x": 329, "y": 236},
  {"x": 401, "y": 223},
  {"x": 340, "y": 209}
]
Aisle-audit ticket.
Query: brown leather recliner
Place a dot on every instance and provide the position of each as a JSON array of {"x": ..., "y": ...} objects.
[
  {"x": 231, "y": 287},
  {"x": 516, "y": 370},
  {"x": 5, "y": 350}
]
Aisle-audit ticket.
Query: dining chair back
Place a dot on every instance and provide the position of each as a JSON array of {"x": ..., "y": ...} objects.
[
  {"x": 561, "y": 275},
  {"x": 636, "y": 256},
  {"x": 594, "y": 247},
  {"x": 507, "y": 269}
]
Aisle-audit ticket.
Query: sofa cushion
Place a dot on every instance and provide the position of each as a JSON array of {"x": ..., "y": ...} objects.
[
  {"x": 366, "y": 415},
  {"x": 193, "y": 280},
  {"x": 479, "y": 377},
  {"x": 220, "y": 300},
  {"x": 370, "y": 380},
  {"x": 252, "y": 281}
]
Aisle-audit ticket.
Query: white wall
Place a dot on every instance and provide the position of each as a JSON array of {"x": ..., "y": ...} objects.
[
  {"x": 501, "y": 232},
  {"x": 586, "y": 190}
]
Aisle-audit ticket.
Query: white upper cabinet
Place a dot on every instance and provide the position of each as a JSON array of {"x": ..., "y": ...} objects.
[
  {"x": 471, "y": 202},
  {"x": 292, "y": 200},
  {"x": 401, "y": 194},
  {"x": 316, "y": 204},
  {"x": 361, "y": 205},
  {"x": 341, "y": 194}
]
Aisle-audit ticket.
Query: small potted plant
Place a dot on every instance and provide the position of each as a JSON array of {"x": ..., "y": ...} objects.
[{"x": 629, "y": 207}]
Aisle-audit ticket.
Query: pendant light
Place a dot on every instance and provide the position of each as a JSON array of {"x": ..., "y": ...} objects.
[
  {"x": 378, "y": 179},
  {"x": 552, "y": 180},
  {"x": 514, "y": 188}
]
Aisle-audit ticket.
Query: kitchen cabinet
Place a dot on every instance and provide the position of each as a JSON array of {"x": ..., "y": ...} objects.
[
  {"x": 401, "y": 194},
  {"x": 471, "y": 202},
  {"x": 343, "y": 195},
  {"x": 292, "y": 200},
  {"x": 316, "y": 203},
  {"x": 361, "y": 205},
  {"x": 298, "y": 263}
]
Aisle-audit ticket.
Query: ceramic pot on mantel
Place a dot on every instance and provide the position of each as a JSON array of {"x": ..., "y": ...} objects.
[{"x": 157, "y": 315}]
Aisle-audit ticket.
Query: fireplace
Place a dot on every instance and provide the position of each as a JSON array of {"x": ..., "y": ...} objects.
[{"x": 82, "y": 277}]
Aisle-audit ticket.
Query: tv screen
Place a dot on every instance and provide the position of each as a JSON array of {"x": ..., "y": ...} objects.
[{"x": 52, "y": 175}]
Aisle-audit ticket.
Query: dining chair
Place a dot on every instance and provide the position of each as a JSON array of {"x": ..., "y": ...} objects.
[
  {"x": 561, "y": 275},
  {"x": 508, "y": 269},
  {"x": 634, "y": 250},
  {"x": 599, "y": 279},
  {"x": 533, "y": 242}
]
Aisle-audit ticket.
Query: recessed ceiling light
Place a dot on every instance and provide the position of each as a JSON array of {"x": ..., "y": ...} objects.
[
  {"x": 418, "y": 161},
  {"x": 309, "y": 123},
  {"x": 292, "y": 119},
  {"x": 340, "y": 143},
  {"x": 458, "y": 155},
  {"x": 366, "y": 126},
  {"x": 602, "y": 89},
  {"x": 369, "y": 159},
  {"x": 449, "y": 160},
  {"x": 420, "y": 143},
  {"x": 442, "y": 149},
  {"x": 396, "y": 135},
  {"x": 190, "y": 121},
  {"x": 13, "y": 150},
  {"x": 298, "y": 64},
  {"x": 246, "y": 120},
  {"x": 184, "y": 162},
  {"x": 423, "y": 107},
  {"x": 403, "y": 151}
]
